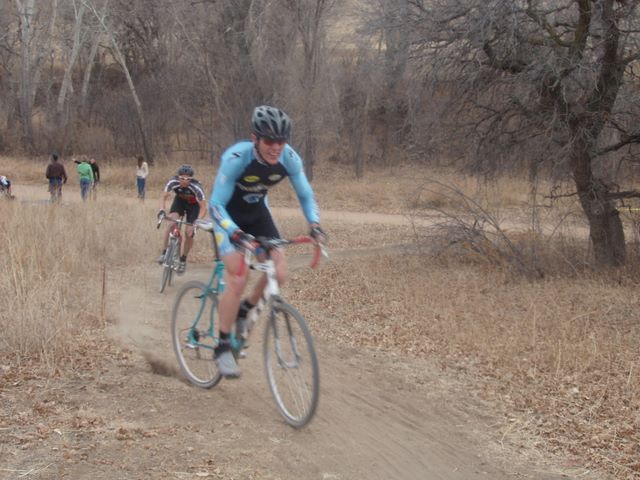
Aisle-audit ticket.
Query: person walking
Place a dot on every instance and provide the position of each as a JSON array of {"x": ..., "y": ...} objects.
[
  {"x": 96, "y": 178},
  {"x": 86, "y": 177},
  {"x": 57, "y": 176},
  {"x": 142, "y": 172}
]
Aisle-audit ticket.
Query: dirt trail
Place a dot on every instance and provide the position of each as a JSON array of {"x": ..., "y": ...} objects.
[{"x": 379, "y": 416}]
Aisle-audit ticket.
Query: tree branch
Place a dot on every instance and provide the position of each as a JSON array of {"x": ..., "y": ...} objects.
[
  {"x": 511, "y": 66},
  {"x": 625, "y": 194},
  {"x": 635, "y": 138},
  {"x": 548, "y": 28}
]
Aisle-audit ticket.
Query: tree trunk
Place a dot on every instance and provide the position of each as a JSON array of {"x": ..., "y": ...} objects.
[
  {"x": 358, "y": 134},
  {"x": 26, "y": 12},
  {"x": 61, "y": 119},
  {"x": 86, "y": 78},
  {"x": 605, "y": 226},
  {"x": 309, "y": 155}
]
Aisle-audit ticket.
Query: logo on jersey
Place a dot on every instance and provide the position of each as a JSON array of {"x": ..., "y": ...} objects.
[
  {"x": 275, "y": 177},
  {"x": 251, "y": 178},
  {"x": 252, "y": 197},
  {"x": 225, "y": 223},
  {"x": 252, "y": 188}
]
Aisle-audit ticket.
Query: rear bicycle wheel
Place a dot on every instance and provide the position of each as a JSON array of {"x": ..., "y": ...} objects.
[
  {"x": 193, "y": 333},
  {"x": 291, "y": 365},
  {"x": 167, "y": 265}
]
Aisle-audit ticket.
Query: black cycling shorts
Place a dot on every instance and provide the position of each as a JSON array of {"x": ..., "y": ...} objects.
[
  {"x": 182, "y": 207},
  {"x": 261, "y": 226}
]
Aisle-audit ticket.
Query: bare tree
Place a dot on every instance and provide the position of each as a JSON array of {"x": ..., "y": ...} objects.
[
  {"x": 310, "y": 17},
  {"x": 164, "y": 74},
  {"x": 27, "y": 14},
  {"x": 119, "y": 57},
  {"x": 355, "y": 101},
  {"x": 86, "y": 78},
  {"x": 60, "y": 118},
  {"x": 533, "y": 76},
  {"x": 385, "y": 22}
]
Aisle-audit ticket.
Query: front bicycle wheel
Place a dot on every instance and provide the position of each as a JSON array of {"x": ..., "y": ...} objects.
[
  {"x": 175, "y": 259},
  {"x": 193, "y": 333},
  {"x": 167, "y": 265},
  {"x": 291, "y": 365}
]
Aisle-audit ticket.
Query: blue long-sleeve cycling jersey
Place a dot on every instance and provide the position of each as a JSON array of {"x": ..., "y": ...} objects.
[{"x": 241, "y": 186}]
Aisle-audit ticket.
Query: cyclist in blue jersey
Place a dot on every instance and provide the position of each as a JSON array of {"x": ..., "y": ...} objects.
[
  {"x": 238, "y": 204},
  {"x": 189, "y": 200}
]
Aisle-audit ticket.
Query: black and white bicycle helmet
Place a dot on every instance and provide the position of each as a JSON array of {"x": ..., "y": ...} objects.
[
  {"x": 186, "y": 170},
  {"x": 270, "y": 122}
]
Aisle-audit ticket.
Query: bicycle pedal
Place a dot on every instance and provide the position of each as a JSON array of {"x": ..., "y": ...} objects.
[{"x": 242, "y": 354}]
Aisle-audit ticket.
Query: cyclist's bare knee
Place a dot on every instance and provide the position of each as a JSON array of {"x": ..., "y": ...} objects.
[{"x": 233, "y": 266}]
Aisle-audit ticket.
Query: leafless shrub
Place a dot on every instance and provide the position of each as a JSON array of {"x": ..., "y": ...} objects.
[
  {"x": 469, "y": 229},
  {"x": 451, "y": 221}
]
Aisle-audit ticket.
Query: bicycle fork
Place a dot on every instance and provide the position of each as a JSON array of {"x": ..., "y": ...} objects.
[
  {"x": 174, "y": 243},
  {"x": 278, "y": 341}
]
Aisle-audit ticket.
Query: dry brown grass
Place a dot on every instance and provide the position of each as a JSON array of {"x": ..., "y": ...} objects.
[
  {"x": 56, "y": 257},
  {"x": 559, "y": 356},
  {"x": 388, "y": 190}
]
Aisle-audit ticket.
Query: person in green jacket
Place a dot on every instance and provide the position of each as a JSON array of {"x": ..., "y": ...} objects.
[{"x": 86, "y": 177}]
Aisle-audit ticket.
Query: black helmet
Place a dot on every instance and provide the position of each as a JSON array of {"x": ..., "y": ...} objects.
[
  {"x": 185, "y": 170},
  {"x": 271, "y": 123}
]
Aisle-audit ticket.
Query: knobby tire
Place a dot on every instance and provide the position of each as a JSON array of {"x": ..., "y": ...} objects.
[
  {"x": 167, "y": 265},
  {"x": 195, "y": 357},
  {"x": 293, "y": 374}
]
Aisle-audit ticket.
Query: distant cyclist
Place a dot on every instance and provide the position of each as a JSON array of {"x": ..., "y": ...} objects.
[
  {"x": 189, "y": 200},
  {"x": 238, "y": 204},
  {"x": 5, "y": 186}
]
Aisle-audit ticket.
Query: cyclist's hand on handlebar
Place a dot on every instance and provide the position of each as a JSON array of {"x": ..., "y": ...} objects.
[
  {"x": 161, "y": 214},
  {"x": 242, "y": 239},
  {"x": 318, "y": 234}
]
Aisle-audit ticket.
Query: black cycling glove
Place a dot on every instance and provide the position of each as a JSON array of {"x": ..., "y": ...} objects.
[
  {"x": 318, "y": 234},
  {"x": 161, "y": 214}
]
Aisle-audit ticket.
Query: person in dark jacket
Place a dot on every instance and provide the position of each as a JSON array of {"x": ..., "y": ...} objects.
[
  {"x": 96, "y": 178},
  {"x": 57, "y": 176}
]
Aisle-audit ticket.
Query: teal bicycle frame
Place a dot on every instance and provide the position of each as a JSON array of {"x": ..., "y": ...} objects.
[
  {"x": 214, "y": 287},
  {"x": 291, "y": 364}
]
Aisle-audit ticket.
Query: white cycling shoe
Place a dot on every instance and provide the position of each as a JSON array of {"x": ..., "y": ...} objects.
[{"x": 227, "y": 365}]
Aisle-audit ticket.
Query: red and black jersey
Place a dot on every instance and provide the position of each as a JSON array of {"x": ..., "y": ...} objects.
[{"x": 192, "y": 193}]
